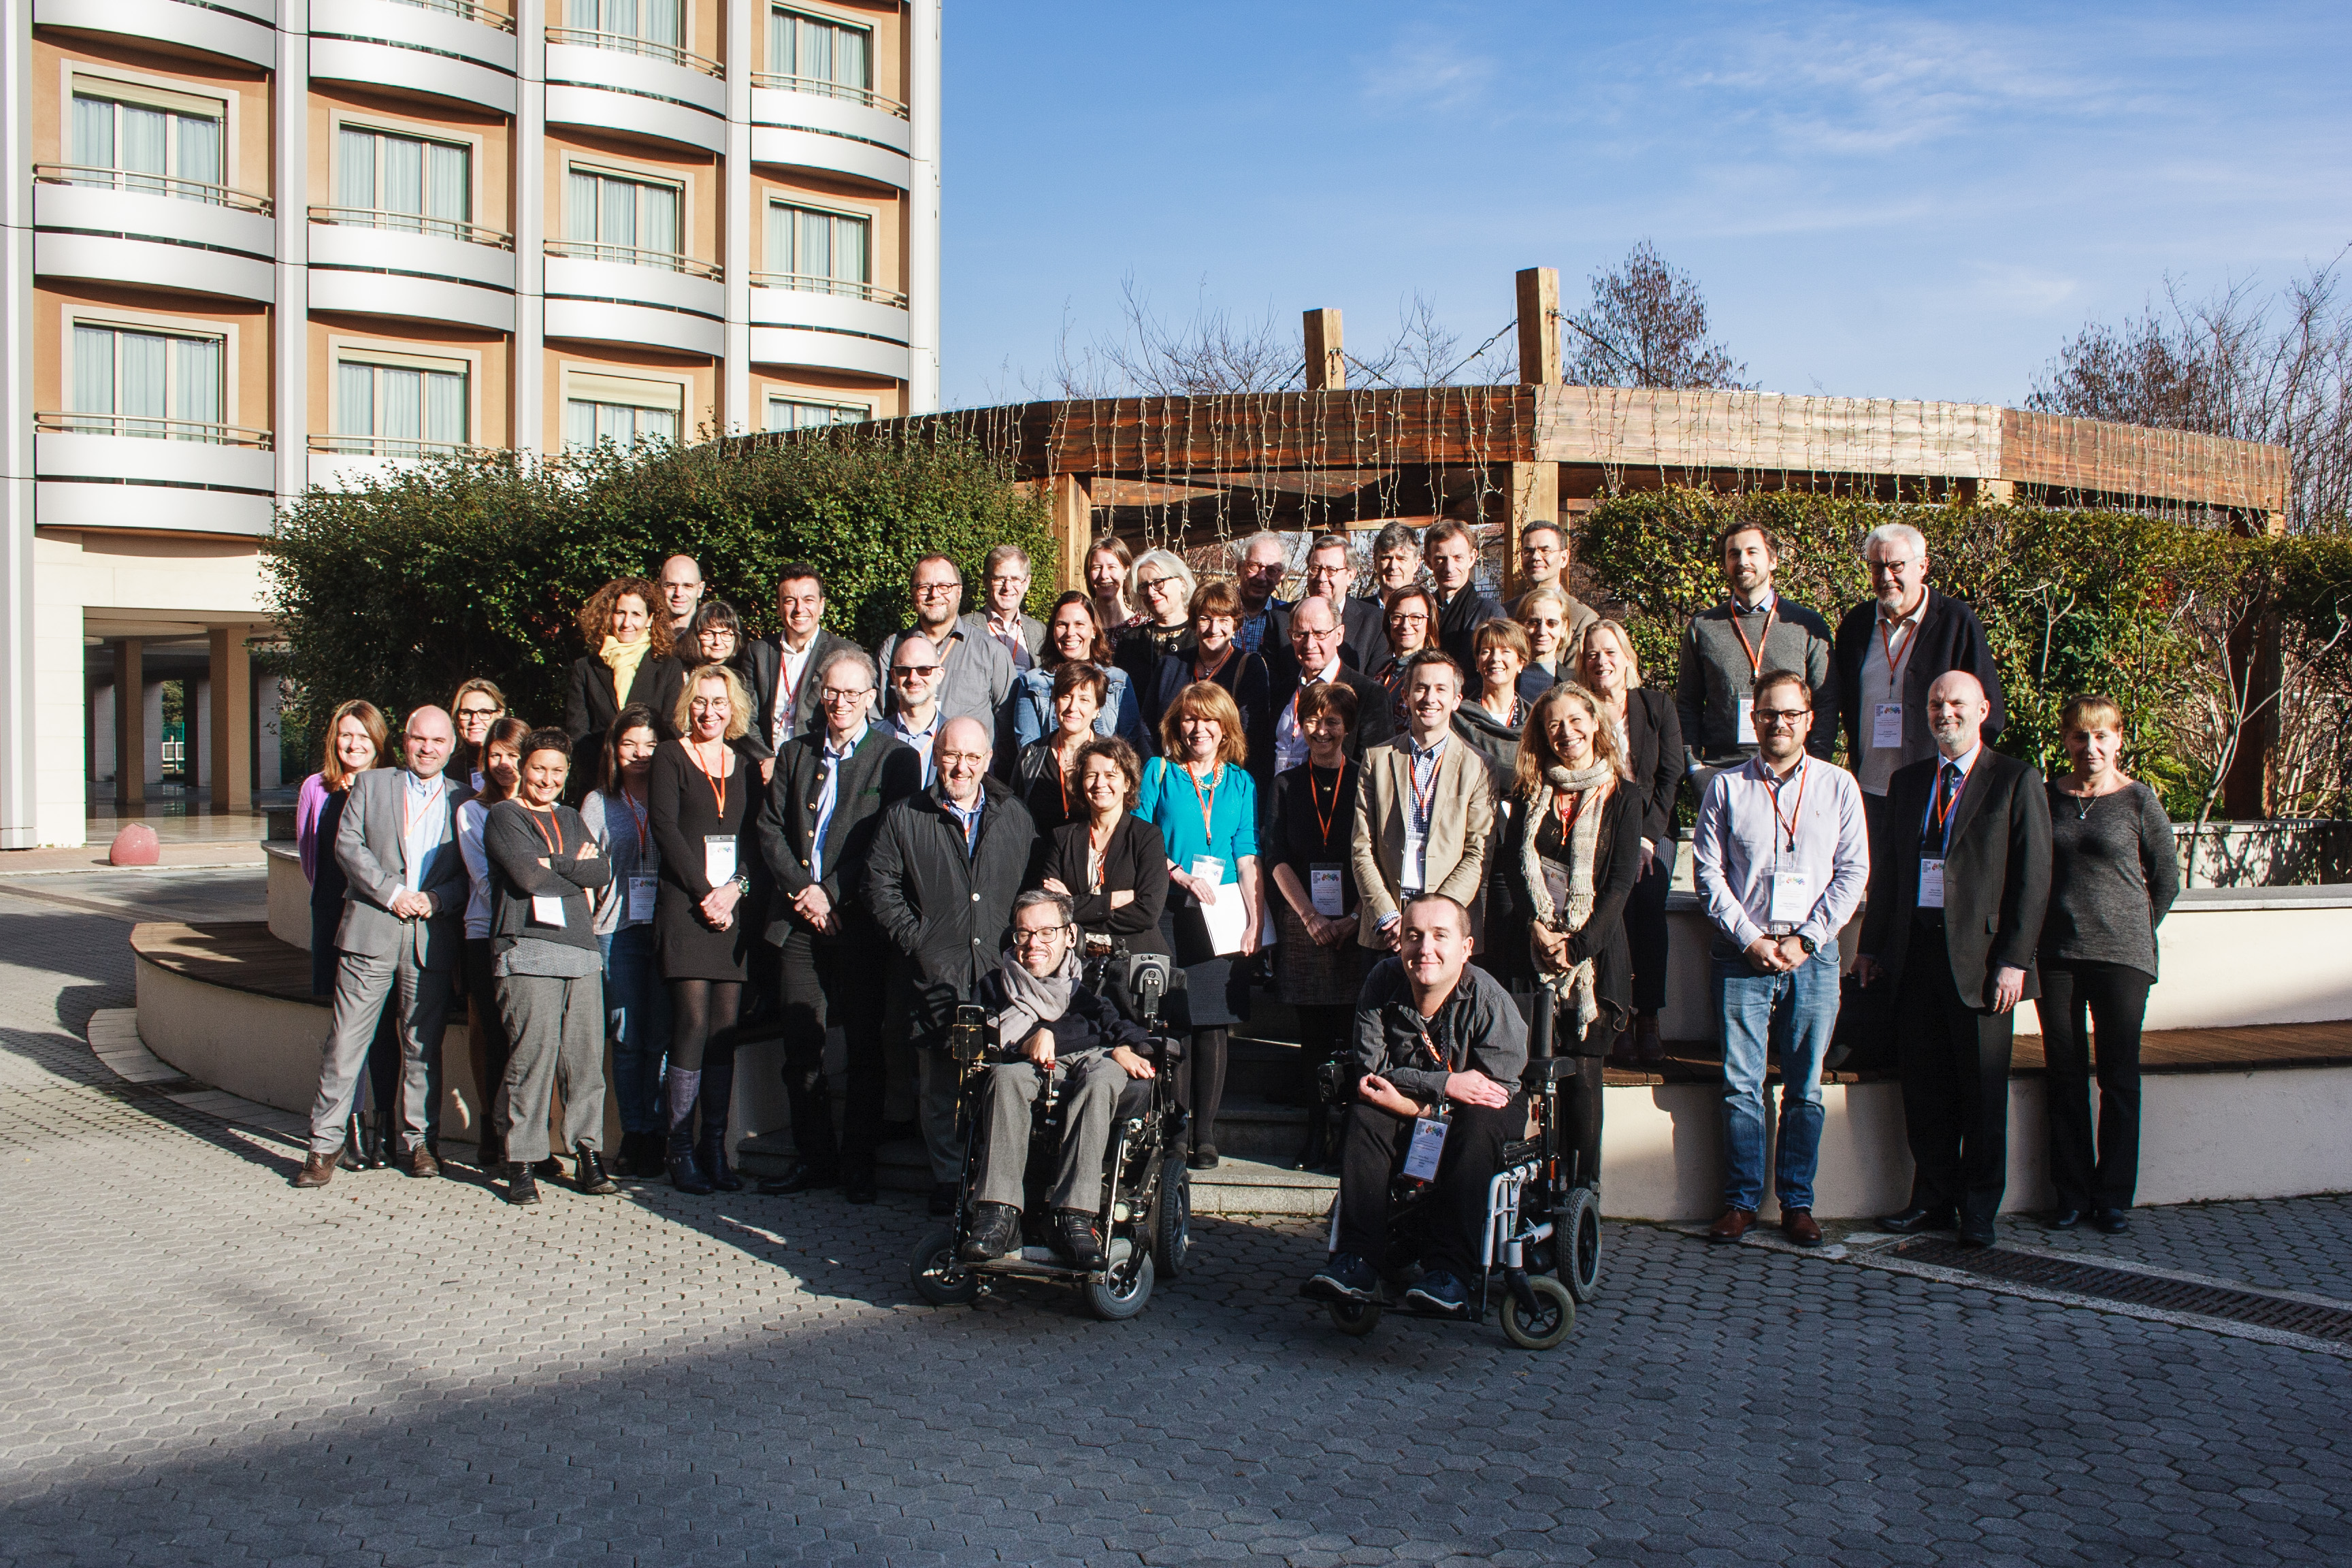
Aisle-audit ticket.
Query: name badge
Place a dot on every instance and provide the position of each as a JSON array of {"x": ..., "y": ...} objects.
[
  {"x": 1886, "y": 727},
  {"x": 1323, "y": 888},
  {"x": 1428, "y": 1145},
  {"x": 641, "y": 899},
  {"x": 1416, "y": 862},
  {"x": 1210, "y": 870},
  {"x": 547, "y": 909},
  {"x": 1792, "y": 897},
  {"x": 1747, "y": 721},
  {"x": 719, "y": 859},
  {"x": 1931, "y": 884}
]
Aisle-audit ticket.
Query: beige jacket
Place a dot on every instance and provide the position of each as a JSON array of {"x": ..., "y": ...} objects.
[{"x": 1461, "y": 816}]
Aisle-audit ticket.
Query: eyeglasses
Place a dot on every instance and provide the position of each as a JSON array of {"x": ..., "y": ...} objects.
[
  {"x": 1774, "y": 717},
  {"x": 975, "y": 759},
  {"x": 997, "y": 579},
  {"x": 904, "y": 670},
  {"x": 1035, "y": 936},
  {"x": 480, "y": 712},
  {"x": 1153, "y": 585},
  {"x": 936, "y": 590},
  {"x": 837, "y": 694}
]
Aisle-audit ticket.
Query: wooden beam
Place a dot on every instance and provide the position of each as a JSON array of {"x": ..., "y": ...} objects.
[
  {"x": 1538, "y": 290},
  {"x": 1534, "y": 492},
  {"x": 1327, "y": 366},
  {"x": 1073, "y": 529},
  {"x": 231, "y": 679}
]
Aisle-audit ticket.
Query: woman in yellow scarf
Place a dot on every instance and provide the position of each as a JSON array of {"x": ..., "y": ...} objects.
[{"x": 632, "y": 663}]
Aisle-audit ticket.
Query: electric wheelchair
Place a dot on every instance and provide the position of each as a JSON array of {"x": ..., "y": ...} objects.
[
  {"x": 1145, "y": 1221},
  {"x": 1541, "y": 1241}
]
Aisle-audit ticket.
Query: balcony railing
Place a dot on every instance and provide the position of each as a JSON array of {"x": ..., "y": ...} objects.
[
  {"x": 634, "y": 256},
  {"x": 630, "y": 44},
  {"x": 469, "y": 10},
  {"x": 96, "y": 177},
  {"x": 152, "y": 428},
  {"x": 392, "y": 446},
  {"x": 413, "y": 223},
  {"x": 847, "y": 289},
  {"x": 824, "y": 89}
]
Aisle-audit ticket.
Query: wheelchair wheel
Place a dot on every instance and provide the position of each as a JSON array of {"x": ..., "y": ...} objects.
[
  {"x": 1553, "y": 1322},
  {"x": 1113, "y": 1302},
  {"x": 1354, "y": 1319},
  {"x": 1172, "y": 1222},
  {"x": 1577, "y": 1238},
  {"x": 936, "y": 1275}
]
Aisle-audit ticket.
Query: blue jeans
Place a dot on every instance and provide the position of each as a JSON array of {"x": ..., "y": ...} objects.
[
  {"x": 636, "y": 1007},
  {"x": 1793, "y": 1016}
]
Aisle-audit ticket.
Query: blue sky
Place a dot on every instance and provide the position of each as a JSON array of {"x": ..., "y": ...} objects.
[{"x": 1908, "y": 201}]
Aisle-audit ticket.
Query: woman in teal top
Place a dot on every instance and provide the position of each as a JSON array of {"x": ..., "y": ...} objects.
[{"x": 1205, "y": 802}]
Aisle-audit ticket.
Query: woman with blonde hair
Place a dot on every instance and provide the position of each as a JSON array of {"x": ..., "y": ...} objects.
[
  {"x": 1649, "y": 732},
  {"x": 1572, "y": 847},
  {"x": 627, "y": 625},
  {"x": 1109, "y": 565}
]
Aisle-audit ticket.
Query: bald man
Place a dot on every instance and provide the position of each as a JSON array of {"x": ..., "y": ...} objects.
[
  {"x": 1954, "y": 913},
  {"x": 681, "y": 589},
  {"x": 946, "y": 864},
  {"x": 402, "y": 940}
]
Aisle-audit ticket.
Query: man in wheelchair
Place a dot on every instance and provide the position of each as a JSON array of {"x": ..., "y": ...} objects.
[
  {"x": 1038, "y": 1005},
  {"x": 1439, "y": 1048}
]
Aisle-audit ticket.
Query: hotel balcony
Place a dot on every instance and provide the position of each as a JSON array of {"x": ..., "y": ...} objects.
[
  {"x": 803, "y": 122},
  {"x": 420, "y": 268},
  {"x": 621, "y": 294},
  {"x": 232, "y": 30},
  {"x": 112, "y": 225},
  {"x": 455, "y": 49},
  {"x": 121, "y": 471},
  {"x": 828, "y": 323},
  {"x": 615, "y": 81},
  {"x": 348, "y": 462}
]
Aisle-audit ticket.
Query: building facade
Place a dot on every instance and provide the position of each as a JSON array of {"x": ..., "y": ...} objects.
[{"x": 254, "y": 246}]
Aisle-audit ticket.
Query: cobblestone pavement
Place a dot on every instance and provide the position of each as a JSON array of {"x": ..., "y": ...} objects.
[{"x": 201, "y": 1366}]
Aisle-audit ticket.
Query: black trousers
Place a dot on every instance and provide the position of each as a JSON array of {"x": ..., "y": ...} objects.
[
  {"x": 2114, "y": 997},
  {"x": 825, "y": 981},
  {"x": 1645, "y": 930},
  {"x": 1577, "y": 1130},
  {"x": 1372, "y": 1149},
  {"x": 486, "y": 1033},
  {"x": 1954, "y": 1061}
]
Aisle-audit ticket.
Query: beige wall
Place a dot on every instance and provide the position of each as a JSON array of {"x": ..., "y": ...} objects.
[
  {"x": 56, "y": 302},
  {"x": 246, "y": 90}
]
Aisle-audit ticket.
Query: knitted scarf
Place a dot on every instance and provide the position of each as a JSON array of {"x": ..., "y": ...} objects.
[
  {"x": 1034, "y": 999},
  {"x": 1583, "y": 841},
  {"x": 622, "y": 658}
]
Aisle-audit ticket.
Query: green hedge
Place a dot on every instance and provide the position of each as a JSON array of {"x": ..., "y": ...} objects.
[{"x": 463, "y": 566}]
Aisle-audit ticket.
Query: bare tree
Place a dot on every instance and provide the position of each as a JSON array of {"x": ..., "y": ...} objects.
[{"x": 1646, "y": 326}]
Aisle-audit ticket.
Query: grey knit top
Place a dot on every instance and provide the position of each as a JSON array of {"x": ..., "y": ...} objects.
[
  {"x": 1715, "y": 674},
  {"x": 2113, "y": 877}
]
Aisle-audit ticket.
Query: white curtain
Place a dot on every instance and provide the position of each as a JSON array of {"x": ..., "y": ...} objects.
[
  {"x": 198, "y": 156},
  {"x": 142, "y": 142},
  {"x": 665, "y": 23},
  {"x": 581, "y": 13},
  {"x": 579, "y": 424},
  {"x": 403, "y": 406},
  {"x": 403, "y": 173},
  {"x": 660, "y": 421},
  {"x": 621, "y": 16},
  {"x": 448, "y": 182},
  {"x": 444, "y": 407},
  {"x": 196, "y": 383},
  {"x": 356, "y": 400},
  {"x": 814, "y": 255},
  {"x": 657, "y": 218},
  {"x": 580, "y": 208},
  {"x": 141, "y": 385},
  {"x": 93, "y": 388},
  {"x": 355, "y": 179},
  {"x": 93, "y": 132},
  {"x": 850, "y": 66},
  {"x": 616, "y": 212}
]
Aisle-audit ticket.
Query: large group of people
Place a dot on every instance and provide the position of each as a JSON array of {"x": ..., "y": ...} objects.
[{"x": 1413, "y": 816}]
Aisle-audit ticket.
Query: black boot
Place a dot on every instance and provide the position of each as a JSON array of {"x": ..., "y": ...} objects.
[
  {"x": 589, "y": 1174},
  {"x": 684, "y": 1084},
  {"x": 718, "y": 1096},
  {"x": 522, "y": 1187},
  {"x": 1318, "y": 1139},
  {"x": 354, "y": 1143}
]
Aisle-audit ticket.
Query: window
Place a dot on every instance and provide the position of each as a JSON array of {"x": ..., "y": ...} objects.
[
  {"x": 652, "y": 21},
  {"x": 620, "y": 409},
  {"x": 820, "y": 54},
  {"x": 616, "y": 219},
  {"x": 148, "y": 384},
  {"x": 399, "y": 406},
  {"x": 824, "y": 252},
  {"x": 405, "y": 182},
  {"x": 142, "y": 139},
  {"x": 791, "y": 413}
]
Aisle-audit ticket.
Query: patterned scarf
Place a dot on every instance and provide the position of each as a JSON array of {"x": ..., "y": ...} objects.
[
  {"x": 1594, "y": 784},
  {"x": 1030, "y": 999}
]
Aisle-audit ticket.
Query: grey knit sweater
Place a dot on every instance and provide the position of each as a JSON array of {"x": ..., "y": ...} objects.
[
  {"x": 2113, "y": 877},
  {"x": 1715, "y": 676}
]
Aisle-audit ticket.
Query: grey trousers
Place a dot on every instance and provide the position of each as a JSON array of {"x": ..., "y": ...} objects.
[
  {"x": 421, "y": 998},
  {"x": 1090, "y": 1093},
  {"x": 557, "y": 1026}
]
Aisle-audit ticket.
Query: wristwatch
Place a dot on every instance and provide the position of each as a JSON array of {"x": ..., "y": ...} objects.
[{"x": 1807, "y": 944}]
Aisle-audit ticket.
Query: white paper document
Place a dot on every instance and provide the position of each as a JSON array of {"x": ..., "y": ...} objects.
[{"x": 1227, "y": 920}]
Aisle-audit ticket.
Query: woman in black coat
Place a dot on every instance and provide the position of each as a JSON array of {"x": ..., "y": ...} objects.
[
  {"x": 1318, "y": 964},
  {"x": 1215, "y": 656},
  {"x": 1650, "y": 733},
  {"x": 1572, "y": 845},
  {"x": 1110, "y": 863},
  {"x": 632, "y": 644}
]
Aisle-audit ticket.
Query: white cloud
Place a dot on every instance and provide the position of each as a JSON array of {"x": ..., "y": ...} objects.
[{"x": 1423, "y": 68}]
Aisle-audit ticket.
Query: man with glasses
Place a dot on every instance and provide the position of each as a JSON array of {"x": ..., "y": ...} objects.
[
  {"x": 915, "y": 717},
  {"x": 1259, "y": 562},
  {"x": 681, "y": 592},
  {"x": 1781, "y": 860},
  {"x": 1543, "y": 563},
  {"x": 1005, "y": 580},
  {"x": 1726, "y": 649},
  {"x": 824, "y": 807},
  {"x": 783, "y": 698},
  {"x": 1312, "y": 658},
  {"x": 1038, "y": 1004},
  {"x": 1332, "y": 574},
  {"x": 941, "y": 879},
  {"x": 975, "y": 674}
]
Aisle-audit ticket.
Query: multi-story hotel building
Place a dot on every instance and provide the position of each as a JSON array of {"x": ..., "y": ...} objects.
[{"x": 254, "y": 246}]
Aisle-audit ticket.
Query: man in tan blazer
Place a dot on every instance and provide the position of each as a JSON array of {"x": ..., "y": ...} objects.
[{"x": 1423, "y": 810}]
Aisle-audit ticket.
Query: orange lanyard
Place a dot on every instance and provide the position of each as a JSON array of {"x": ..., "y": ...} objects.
[
  {"x": 1886, "y": 648},
  {"x": 718, "y": 785},
  {"x": 784, "y": 682},
  {"x": 1217, "y": 669},
  {"x": 1940, "y": 806},
  {"x": 554, "y": 842},
  {"x": 1797, "y": 810},
  {"x": 1063, "y": 780},
  {"x": 636, "y": 815},
  {"x": 1568, "y": 806},
  {"x": 1095, "y": 857},
  {"x": 1322, "y": 817},
  {"x": 1755, "y": 654},
  {"x": 408, "y": 809},
  {"x": 1207, "y": 802}
]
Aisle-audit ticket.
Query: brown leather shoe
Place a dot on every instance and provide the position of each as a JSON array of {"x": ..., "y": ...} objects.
[
  {"x": 1798, "y": 1226},
  {"x": 1735, "y": 1223},
  {"x": 317, "y": 1170},
  {"x": 422, "y": 1162}
]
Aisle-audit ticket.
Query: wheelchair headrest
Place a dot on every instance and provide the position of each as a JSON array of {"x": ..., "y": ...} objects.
[{"x": 1138, "y": 983}]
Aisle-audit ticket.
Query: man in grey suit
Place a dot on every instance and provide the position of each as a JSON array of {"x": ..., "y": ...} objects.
[{"x": 402, "y": 940}]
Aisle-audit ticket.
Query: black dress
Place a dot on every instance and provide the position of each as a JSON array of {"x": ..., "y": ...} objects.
[
  {"x": 1039, "y": 781},
  {"x": 684, "y": 805},
  {"x": 1135, "y": 861},
  {"x": 1307, "y": 799}
]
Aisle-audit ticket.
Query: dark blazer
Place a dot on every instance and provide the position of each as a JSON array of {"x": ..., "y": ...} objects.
[
  {"x": 767, "y": 662},
  {"x": 1457, "y": 624},
  {"x": 1374, "y": 723},
  {"x": 881, "y": 772},
  {"x": 945, "y": 911},
  {"x": 591, "y": 705},
  {"x": 1364, "y": 633},
  {"x": 1996, "y": 877},
  {"x": 1139, "y": 648},
  {"x": 1252, "y": 687},
  {"x": 1654, "y": 733},
  {"x": 1951, "y": 637},
  {"x": 1617, "y": 862},
  {"x": 1037, "y": 783},
  {"x": 1135, "y": 860}
]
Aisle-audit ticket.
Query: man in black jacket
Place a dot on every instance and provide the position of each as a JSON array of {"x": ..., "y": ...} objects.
[
  {"x": 1452, "y": 555},
  {"x": 783, "y": 698},
  {"x": 816, "y": 831},
  {"x": 946, "y": 864},
  {"x": 1954, "y": 913},
  {"x": 1364, "y": 623},
  {"x": 1314, "y": 654}
]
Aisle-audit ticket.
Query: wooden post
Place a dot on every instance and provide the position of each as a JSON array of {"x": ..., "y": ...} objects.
[
  {"x": 1073, "y": 528},
  {"x": 232, "y": 721},
  {"x": 2257, "y": 651},
  {"x": 130, "y": 722},
  {"x": 1539, "y": 326},
  {"x": 1327, "y": 366},
  {"x": 1534, "y": 489}
]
